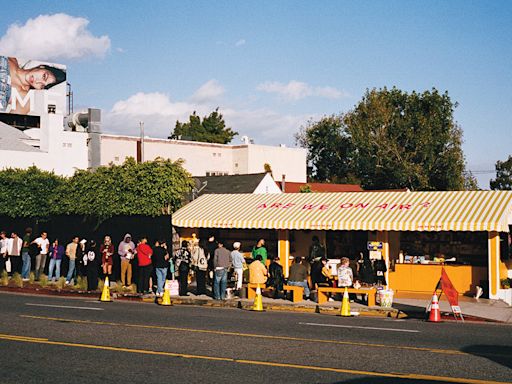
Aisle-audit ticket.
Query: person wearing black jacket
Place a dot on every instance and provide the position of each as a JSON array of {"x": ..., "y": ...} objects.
[
  {"x": 92, "y": 266},
  {"x": 276, "y": 276},
  {"x": 182, "y": 262},
  {"x": 160, "y": 260}
]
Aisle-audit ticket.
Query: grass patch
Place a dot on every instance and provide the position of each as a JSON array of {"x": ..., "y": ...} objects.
[
  {"x": 31, "y": 278},
  {"x": 43, "y": 280},
  {"x": 17, "y": 280},
  {"x": 101, "y": 283},
  {"x": 61, "y": 283},
  {"x": 4, "y": 279},
  {"x": 81, "y": 283},
  {"x": 132, "y": 289}
]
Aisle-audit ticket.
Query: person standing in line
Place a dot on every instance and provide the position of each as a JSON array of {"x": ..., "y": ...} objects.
[
  {"x": 71, "y": 253},
  {"x": 160, "y": 262},
  {"x": 182, "y": 263},
  {"x": 3, "y": 250},
  {"x": 211, "y": 246},
  {"x": 202, "y": 267},
  {"x": 43, "y": 245},
  {"x": 91, "y": 253},
  {"x": 298, "y": 276},
  {"x": 221, "y": 263},
  {"x": 107, "y": 251},
  {"x": 144, "y": 254},
  {"x": 316, "y": 250},
  {"x": 126, "y": 251},
  {"x": 25, "y": 255},
  {"x": 260, "y": 249},
  {"x": 238, "y": 264},
  {"x": 56, "y": 253},
  {"x": 14, "y": 245}
]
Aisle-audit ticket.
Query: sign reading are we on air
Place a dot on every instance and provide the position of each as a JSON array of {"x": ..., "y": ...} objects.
[{"x": 324, "y": 207}]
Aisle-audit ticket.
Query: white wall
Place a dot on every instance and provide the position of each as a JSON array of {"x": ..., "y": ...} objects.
[
  {"x": 290, "y": 162},
  {"x": 201, "y": 158},
  {"x": 267, "y": 185},
  {"x": 60, "y": 151}
]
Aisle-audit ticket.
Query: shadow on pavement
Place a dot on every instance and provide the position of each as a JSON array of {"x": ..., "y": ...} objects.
[
  {"x": 411, "y": 310},
  {"x": 500, "y": 354}
]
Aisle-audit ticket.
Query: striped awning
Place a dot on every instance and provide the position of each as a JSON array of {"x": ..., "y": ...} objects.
[{"x": 391, "y": 211}]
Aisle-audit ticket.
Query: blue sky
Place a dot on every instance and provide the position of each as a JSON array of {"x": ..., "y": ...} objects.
[{"x": 272, "y": 65}]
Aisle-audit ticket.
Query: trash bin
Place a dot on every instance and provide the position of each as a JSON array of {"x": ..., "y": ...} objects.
[{"x": 386, "y": 298}]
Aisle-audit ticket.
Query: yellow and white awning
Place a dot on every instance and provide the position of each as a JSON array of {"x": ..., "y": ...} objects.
[{"x": 384, "y": 211}]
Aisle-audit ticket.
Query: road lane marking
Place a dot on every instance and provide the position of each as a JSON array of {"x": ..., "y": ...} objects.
[
  {"x": 409, "y": 376},
  {"x": 250, "y": 335},
  {"x": 361, "y": 327},
  {"x": 64, "y": 306}
]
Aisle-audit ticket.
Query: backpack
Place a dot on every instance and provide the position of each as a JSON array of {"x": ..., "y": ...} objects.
[
  {"x": 202, "y": 261},
  {"x": 33, "y": 250}
]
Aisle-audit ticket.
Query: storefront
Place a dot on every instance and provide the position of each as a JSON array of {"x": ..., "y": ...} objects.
[{"x": 464, "y": 231}]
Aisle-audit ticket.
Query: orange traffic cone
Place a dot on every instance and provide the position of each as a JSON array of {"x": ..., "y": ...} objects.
[{"x": 435, "y": 314}]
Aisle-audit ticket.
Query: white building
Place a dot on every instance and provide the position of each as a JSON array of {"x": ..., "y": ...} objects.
[{"x": 207, "y": 159}]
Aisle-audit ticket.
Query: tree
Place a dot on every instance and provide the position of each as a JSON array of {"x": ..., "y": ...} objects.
[
  {"x": 29, "y": 193},
  {"x": 503, "y": 180},
  {"x": 211, "y": 130},
  {"x": 391, "y": 139},
  {"x": 329, "y": 149},
  {"x": 151, "y": 188}
]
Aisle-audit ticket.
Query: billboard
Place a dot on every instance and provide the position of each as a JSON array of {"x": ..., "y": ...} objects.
[{"x": 29, "y": 87}]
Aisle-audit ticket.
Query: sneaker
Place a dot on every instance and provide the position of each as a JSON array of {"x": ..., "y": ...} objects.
[
  {"x": 331, "y": 299},
  {"x": 67, "y": 282},
  {"x": 25, "y": 279}
]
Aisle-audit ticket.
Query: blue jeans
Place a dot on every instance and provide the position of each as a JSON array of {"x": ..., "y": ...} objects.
[
  {"x": 303, "y": 284},
  {"x": 219, "y": 284},
  {"x": 71, "y": 270},
  {"x": 25, "y": 270},
  {"x": 161, "y": 274},
  {"x": 54, "y": 263}
]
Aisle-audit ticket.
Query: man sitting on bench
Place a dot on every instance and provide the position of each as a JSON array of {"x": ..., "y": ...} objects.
[{"x": 298, "y": 276}]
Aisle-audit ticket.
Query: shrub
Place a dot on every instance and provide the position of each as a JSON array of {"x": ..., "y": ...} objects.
[{"x": 18, "y": 280}]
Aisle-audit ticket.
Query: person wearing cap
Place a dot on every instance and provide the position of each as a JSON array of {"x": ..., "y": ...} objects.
[
  {"x": 238, "y": 264},
  {"x": 221, "y": 263},
  {"x": 126, "y": 251},
  {"x": 71, "y": 252}
]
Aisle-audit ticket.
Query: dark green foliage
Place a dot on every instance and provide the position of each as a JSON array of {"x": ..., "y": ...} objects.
[
  {"x": 391, "y": 139},
  {"x": 211, "y": 130},
  {"x": 503, "y": 178},
  {"x": 29, "y": 193},
  {"x": 152, "y": 188}
]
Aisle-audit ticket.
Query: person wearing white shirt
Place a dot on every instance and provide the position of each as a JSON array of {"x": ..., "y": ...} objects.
[
  {"x": 3, "y": 250},
  {"x": 44, "y": 244},
  {"x": 14, "y": 245}
]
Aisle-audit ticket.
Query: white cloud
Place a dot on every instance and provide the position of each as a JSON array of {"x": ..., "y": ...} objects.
[
  {"x": 209, "y": 91},
  {"x": 53, "y": 37},
  {"x": 160, "y": 113},
  {"x": 297, "y": 90},
  {"x": 240, "y": 42}
]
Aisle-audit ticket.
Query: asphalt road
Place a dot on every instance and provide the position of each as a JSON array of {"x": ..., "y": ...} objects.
[{"x": 63, "y": 340}]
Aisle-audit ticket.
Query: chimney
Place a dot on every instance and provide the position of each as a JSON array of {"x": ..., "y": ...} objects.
[{"x": 283, "y": 183}]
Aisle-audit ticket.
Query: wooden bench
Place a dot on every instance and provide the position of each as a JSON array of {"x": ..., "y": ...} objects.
[
  {"x": 369, "y": 292},
  {"x": 297, "y": 292}
]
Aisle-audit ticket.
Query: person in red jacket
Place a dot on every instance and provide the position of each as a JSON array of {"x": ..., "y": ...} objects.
[{"x": 144, "y": 253}]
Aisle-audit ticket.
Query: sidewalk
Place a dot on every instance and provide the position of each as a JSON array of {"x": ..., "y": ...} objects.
[{"x": 404, "y": 305}]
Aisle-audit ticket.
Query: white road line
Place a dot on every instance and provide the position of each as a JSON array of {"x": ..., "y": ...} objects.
[
  {"x": 64, "y": 306},
  {"x": 359, "y": 327}
]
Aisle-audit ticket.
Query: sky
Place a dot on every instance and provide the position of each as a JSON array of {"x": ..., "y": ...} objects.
[{"x": 272, "y": 66}]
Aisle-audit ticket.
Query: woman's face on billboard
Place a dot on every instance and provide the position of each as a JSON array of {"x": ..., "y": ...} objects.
[{"x": 39, "y": 78}]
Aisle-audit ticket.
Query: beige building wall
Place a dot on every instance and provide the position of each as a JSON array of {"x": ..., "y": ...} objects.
[{"x": 202, "y": 159}]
